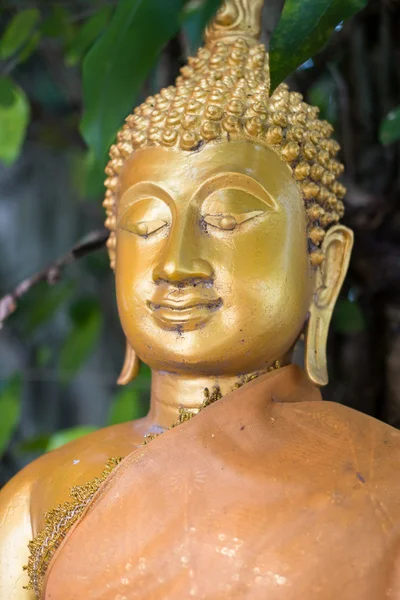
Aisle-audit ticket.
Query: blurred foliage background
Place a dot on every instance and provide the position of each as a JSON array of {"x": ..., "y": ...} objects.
[{"x": 70, "y": 71}]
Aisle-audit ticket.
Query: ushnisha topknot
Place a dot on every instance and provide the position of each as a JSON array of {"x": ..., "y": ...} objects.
[{"x": 223, "y": 93}]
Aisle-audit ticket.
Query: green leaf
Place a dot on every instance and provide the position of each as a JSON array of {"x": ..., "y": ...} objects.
[
  {"x": 43, "y": 355},
  {"x": 82, "y": 309},
  {"x": 117, "y": 65},
  {"x": 93, "y": 176},
  {"x": 18, "y": 32},
  {"x": 58, "y": 25},
  {"x": 10, "y": 409},
  {"x": 143, "y": 380},
  {"x": 323, "y": 94},
  {"x": 60, "y": 438},
  {"x": 196, "y": 15},
  {"x": 87, "y": 34},
  {"x": 35, "y": 444},
  {"x": 126, "y": 406},
  {"x": 7, "y": 93},
  {"x": 303, "y": 29},
  {"x": 348, "y": 317},
  {"x": 30, "y": 47},
  {"x": 82, "y": 339},
  {"x": 390, "y": 128},
  {"x": 14, "y": 118},
  {"x": 42, "y": 303},
  {"x": 47, "y": 442}
]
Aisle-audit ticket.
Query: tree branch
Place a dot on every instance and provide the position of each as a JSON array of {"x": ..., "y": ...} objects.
[{"x": 90, "y": 243}]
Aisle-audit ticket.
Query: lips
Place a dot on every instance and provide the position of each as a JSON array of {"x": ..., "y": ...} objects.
[
  {"x": 187, "y": 310},
  {"x": 180, "y": 306}
]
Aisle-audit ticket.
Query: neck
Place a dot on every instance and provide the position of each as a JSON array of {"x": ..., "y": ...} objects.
[{"x": 171, "y": 392}]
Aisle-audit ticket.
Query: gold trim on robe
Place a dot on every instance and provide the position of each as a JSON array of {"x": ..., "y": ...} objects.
[{"x": 57, "y": 524}]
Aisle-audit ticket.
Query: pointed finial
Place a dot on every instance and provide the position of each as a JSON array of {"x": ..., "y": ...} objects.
[{"x": 236, "y": 18}]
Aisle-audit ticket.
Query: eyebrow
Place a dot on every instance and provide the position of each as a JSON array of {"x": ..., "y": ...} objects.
[
  {"x": 238, "y": 181},
  {"x": 140, "y": 190}
]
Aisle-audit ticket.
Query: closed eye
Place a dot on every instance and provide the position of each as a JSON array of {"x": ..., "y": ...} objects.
[
  {"x": 142, "y": 228},
  {"x": 230, "y": 222}
]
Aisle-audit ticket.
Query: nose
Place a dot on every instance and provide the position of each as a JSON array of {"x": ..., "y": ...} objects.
[{"x": 181, "y": 260}]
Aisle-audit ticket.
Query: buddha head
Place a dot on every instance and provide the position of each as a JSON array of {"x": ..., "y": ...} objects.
[{"x": 223, "y": 204}]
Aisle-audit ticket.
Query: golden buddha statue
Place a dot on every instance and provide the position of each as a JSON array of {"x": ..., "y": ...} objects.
[{"x": 224, "y": 206}]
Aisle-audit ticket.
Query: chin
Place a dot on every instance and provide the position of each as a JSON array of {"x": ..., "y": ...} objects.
[{"x": 196, "y": 353}]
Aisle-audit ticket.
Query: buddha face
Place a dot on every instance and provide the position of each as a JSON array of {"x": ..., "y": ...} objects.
[{"x": 212, "y": 269}]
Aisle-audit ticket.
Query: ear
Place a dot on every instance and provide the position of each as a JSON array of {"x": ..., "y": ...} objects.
[
  {"x": 131, "y": 366},
  {"x": 330, "y": 275}
]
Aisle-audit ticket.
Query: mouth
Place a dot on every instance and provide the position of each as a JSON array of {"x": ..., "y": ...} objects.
[{"x": 185, "y": 314}]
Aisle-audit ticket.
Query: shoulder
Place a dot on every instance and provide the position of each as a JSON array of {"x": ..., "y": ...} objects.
[
  {"x": 44, "y": 484},
  {"x": 334, "y": 420},
  {"x": 16, "y": 531},
  {"x": 356, "y": 426},
  {"x": 47, "y": 481},
  {"x": 344, "y": 436}
]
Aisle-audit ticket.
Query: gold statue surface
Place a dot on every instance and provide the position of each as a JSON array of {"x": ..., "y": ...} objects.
[{"x": 223, "y": 206}]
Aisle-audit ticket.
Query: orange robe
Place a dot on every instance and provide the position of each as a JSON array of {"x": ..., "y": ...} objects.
[{"x": 268, "y": 494}]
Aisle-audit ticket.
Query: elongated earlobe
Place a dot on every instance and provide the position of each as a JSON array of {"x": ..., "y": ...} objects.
[
  {"x": 337, "y": 248},
  {"x": 130, "y": 369}
]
